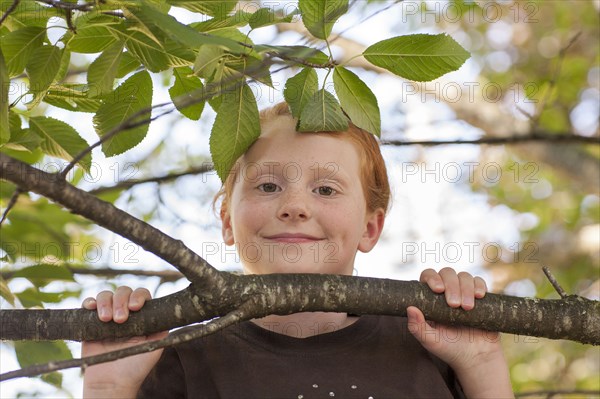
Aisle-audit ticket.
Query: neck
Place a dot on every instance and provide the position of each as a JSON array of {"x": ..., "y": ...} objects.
[{"x": 306, "y": 324}]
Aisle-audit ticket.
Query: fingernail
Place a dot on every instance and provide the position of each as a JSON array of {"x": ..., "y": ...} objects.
[
  {"x": 454, "y": 299},
  {"x": 119, "y": 314},
  {"x": 104, "y": 313}
]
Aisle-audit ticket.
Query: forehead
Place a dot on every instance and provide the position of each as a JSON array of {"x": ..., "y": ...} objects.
[{"x": 279, "y": 144}]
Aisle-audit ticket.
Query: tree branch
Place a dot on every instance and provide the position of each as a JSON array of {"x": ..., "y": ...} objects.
[
  {"x": 574, "y": 318},
  {"x": 11, "y": 203},
  {"x": 174, "y": 338},
  {"x": 126, "y": 184},
  {"x": 165, "y": 275},
  {"x": 516, "y": 139},
  {"x": 105, "y": 214},
  {"x": 9, "y": 10}
]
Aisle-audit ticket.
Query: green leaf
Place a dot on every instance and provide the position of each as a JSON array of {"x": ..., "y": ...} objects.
[
  {"x": 103, "y": 71},
  {"x": 60, "y": 139},
  {"x": 21, "y": 139},
  {"x": 214, "y": 8},
  {"x": 30, "y": 13},
  {"x": 239, "y": 19},
  {"x": 184, "y": 34},
  {"x": 236, "y": 127},
  {"x": 130, "y": 97},
  {"x": 6, "y": 293},
  {"x": 251, "y": 67},
  {"x": 419, "y": 57},
  {"x": 304, "y": 53},
  {"x": 266, "y": 16},
  {"x": 207, "y": 61},
  {"x": 54, "y": 378},
  {"x": 31, "y": 297},
  {"x": 65, "y": 61},
  {"x": 127, "y": 65},
  {"x": 185, "y": 84},
  {"x": 42, "y": 68},
  {"x": 358, "y": 101},
  {"x": 4, "y": 84},
  {"x": 147, "y": 51},
  {"x": 44, "y": 274},
  {"x": 319, "y": 16},
  {"x": 322, "y": 113},
  {"x": 72, "y": 97},
  {"x": 17, "y": 47},
  {"x": 94, "y": 34},
  {"x": 300, "y": 89},
  {"x": 40, "y": 352}
]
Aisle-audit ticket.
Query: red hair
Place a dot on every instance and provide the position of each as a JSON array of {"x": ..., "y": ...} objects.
[{"x": 373, "y": 177}]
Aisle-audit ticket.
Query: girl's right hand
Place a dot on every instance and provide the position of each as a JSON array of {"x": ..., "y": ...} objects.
[{"x": 123, "y": 377}]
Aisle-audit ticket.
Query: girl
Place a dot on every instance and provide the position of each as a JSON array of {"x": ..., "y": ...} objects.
[{"x": 323, "y": 195}]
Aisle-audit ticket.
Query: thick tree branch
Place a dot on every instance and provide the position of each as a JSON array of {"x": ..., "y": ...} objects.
[
  {"x": 52, "y": 186},
  {"x": 574, "y": 318}
]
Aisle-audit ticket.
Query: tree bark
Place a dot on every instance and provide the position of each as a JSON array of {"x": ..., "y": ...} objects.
[
  {"x": 215, "y": 293},
  {"x": 574, "y": 318}
]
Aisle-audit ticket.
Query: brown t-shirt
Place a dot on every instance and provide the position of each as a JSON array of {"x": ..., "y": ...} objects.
[{"x": 375, "y": 357}]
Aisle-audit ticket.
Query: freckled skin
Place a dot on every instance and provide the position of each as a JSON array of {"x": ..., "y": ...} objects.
[{"x": 286, "y": 187}]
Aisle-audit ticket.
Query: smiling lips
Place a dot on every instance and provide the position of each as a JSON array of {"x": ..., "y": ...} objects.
[{"x": 296, "y": 238}]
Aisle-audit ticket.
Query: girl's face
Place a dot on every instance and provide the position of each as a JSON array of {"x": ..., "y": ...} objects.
[{"x": 298, "y": 204}]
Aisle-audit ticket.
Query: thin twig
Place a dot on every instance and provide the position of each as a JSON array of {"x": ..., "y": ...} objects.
[
  {"x": 554, "y": 283},
  {"x": 166, "y": 275},
  {"x": 126, "y": 184},
  {"x": 539, "y": 137},
  {"x": 11, "y": 204},
  {"x": 177, "y": 337},
  {"x": 10, "y": 9}
]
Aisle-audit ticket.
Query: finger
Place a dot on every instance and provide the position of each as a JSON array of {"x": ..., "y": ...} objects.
[
  {"x": 451, "y": 287},
  {"x": 89, "y": 303},
  {"x": 418, "y": 326},
  {"x": 104, "y": 305},
  {"x": 480, "y": 287},
  {"x": 121, "y": 304},
  {"x": 467, "y": 290},
  {"x": 433, "y": 280},
  {"x": 138, "y": 297}
]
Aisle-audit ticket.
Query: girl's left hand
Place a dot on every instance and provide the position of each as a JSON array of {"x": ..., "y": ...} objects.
[{"x": 460, "y": 347}]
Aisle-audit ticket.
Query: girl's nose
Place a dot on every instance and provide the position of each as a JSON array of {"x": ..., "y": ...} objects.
[{"x": 294, "y": 207}]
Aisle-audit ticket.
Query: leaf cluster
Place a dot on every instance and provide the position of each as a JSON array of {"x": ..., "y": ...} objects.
[{"x": 212, "y": 59}]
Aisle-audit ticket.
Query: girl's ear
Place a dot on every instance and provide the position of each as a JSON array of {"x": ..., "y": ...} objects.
[
  {"x": 226, "y": 228},
  {"x": 373, "y": 228}
]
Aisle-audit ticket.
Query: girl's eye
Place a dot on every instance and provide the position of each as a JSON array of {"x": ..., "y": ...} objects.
[
  {"x": 326, "y": 191},
  {"x": 268, "y": 187}
]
